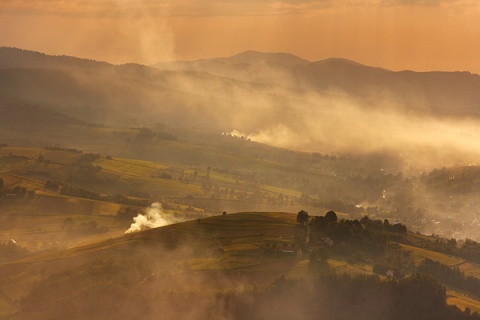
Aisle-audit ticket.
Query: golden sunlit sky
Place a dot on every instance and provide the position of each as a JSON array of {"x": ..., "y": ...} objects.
[{"x": 419, "y": 35}]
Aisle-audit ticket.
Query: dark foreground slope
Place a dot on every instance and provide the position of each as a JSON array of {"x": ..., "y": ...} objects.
[
  {"x": 239, "y": 266},
  {"x": 158, "y": 270}
]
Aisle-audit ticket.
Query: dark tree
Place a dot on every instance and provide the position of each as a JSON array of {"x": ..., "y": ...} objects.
[
  {"x": 319, "y": 222},
  {"x": 1, "y": 184},
  {"x": 331, "y": 216},
  {"x": 302, "y": 216}
]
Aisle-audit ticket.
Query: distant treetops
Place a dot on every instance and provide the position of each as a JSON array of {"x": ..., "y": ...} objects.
[
  {"x": 303, "y": 217},
  {"x": 331, "y": 217}
]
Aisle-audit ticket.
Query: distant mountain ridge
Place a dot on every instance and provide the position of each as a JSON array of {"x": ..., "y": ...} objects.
[
  {"x": 282, "y": 99},
  {"x": 442, "y": 93},
  {"x": 256, "y": 57},
  {"x": 20, "y": 58}
]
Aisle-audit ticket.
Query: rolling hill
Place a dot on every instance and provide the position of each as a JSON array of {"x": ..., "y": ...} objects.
[{"x": 216, "y": 262}]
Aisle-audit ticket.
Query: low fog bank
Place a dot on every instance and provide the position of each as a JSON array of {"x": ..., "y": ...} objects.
[
  {"x": 338, "y": 107},
  {"x": 333, "y": 107},
  {"x": 340, "y": 126},
  {"x": 289, "y": 112}
]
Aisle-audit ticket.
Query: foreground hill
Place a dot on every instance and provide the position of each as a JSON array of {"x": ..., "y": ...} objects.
[
  {"x": 209, "y": 255},
  {"x": 220, "y": 265}
]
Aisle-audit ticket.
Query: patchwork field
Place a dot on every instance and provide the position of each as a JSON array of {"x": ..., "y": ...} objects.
[{"x": 420, "y": 254}]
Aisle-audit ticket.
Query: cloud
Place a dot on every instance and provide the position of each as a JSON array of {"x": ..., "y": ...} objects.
[
  {"x": 339, "y": 124},
  {"x": 124, "y": 8},
  {"x": 190, "y": 8},
  {"x": 455, "y": 6},
  {"x": 418, "y": 2}
]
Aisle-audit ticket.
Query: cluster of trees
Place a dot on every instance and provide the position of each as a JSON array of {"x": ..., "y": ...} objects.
[
  {"x": 86, "y": 172},
  {"x": 363, "y": 236},
  {"x": 363, "y": 240},
  {"x": 56, "y": 148},
  {"x": 344, "y": 297},
  {"x": 73, "y": 191},
  {"x": 383, "y": 226},
  {"x": 469, "y": 250},
  {"x": 450, "y": 276},
  {"x": 395, "y": 262},
  {"x": 83, "y": 170},
  {"x": 18, "y": 193},
  {"x": 147, "y": 135},
  {"x": 368, "y": 239},
  {"x": 456, "y": 180},
  {"x": 88, "y": 157},
  {"x": 438, "y": 244},
  {"x": 329, "y": 224}
]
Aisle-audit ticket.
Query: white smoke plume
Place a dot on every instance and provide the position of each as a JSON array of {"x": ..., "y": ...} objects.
[{"x": 154, "y": 217}]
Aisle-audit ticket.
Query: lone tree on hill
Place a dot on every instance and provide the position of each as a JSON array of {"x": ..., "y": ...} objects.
[
  {"x": 331, "y": 216},
  {"x": 302, "y": 216}
]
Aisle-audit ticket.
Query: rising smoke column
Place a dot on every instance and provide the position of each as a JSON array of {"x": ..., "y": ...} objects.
[{"x": 154, "y": 217}]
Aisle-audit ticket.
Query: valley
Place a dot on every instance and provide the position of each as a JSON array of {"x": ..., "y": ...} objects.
[{"x": 127, "y": 191}]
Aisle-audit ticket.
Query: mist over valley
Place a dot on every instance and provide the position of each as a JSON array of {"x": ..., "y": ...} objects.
[{"x": 235, "y": 183}]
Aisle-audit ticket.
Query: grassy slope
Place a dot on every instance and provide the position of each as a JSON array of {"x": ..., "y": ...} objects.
[
  {"x": 419, "y": 254},
  {"x": 454, "y": 296},
  {"x": 242, "y": 237},
  {"x": 38, "y": 224}
]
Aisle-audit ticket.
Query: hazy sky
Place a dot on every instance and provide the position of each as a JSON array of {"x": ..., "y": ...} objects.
[{"x": 395, "y": 34}]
